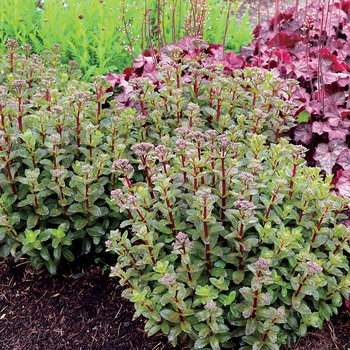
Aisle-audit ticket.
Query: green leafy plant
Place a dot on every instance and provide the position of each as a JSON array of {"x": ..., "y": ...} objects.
[
  {"x": 106, "y": 35},
  {"x": 231, "y": 240},
  {"x": 212, "y": 20},
  {"x": 91, "y": 32},
  {"x": 55, "y": 158}
]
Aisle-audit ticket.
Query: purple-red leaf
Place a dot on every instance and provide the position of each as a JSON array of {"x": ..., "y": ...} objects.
[
  {"x": 303, "y": 133},
  {"x": 326, "y": 154},
  {"x": 344, "y": 159},
  {"x": 285, "y": 38},
  {"x": 343, "y": 183}
]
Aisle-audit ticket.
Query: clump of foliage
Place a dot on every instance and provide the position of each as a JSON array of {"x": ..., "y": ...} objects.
[
  {"x": 57, "y": 145},
  {"x": 312, "y": 45},
  {"x": 86, "y": 30},
  {"x": 197, "y": 51},
  {"x": 231, "y": 240},
  {"x": 215, "y": 21},
  {"x": 105, "y": 35}
]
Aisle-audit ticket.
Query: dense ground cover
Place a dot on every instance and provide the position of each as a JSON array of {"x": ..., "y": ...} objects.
[{"x": 182, "y": 100}]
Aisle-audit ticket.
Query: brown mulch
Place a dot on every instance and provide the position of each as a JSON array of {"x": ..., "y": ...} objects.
[{"x": 82, "y": 309}]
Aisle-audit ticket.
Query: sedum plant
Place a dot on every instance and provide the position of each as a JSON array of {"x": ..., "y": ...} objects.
[
  {"x": 55, "y": 159},
  {"x": 231, "y": 241}
]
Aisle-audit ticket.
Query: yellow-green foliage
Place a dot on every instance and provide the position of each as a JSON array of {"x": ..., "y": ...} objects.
[{"x": 104, "y": 35}]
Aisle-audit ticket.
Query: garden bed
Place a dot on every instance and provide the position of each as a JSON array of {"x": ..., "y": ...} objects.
[
  {"x": 166, "y": 161},
  {"x": 83, "y": 309}
]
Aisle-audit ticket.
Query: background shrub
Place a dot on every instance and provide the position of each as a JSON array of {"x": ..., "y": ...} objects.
[{"x": 104, "y": 36}]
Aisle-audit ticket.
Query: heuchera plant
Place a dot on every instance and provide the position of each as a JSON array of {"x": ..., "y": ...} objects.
[
  {"x": 56, "y": 151},
  {"x": 231, "y": 240},
  {"x": 312, "y": 45}
]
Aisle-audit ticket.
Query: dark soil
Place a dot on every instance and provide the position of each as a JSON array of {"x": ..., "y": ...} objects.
[
  {"x": 82, "y": 309},
  {"x": 75, "y": 310}
]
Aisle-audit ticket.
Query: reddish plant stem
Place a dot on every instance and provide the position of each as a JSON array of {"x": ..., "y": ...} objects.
[
  {"x": 129, "y": 211},
  {"x": 48, "y": 99},
  {"x": 87, "y": 204},
  {"x": 271, "y": 204},
  {"x": 64, "y": 207},
  {"x": 13, "y": 233},
  {"x": 218, "y": 111},
  {"x": 241, "y": 250},
  {"x": 302, "y": 212},
  {"x": 90, "y": 148},
  {"x": 346, "y": 238},
  {"x": 36, "y": 203},
  {"x": 301, "y": 286},
  {"x": 54, "y": 157},
  {"x": 206, "y": 236},
  {"x": 171, "y": 217},
  {"x": 149, "y": 183},
  {"x": 223, "y": 184},
  {"x": 183, "y": 166},
  {"x": 9, "y": 175},
  {"x": 291, "y": 184},
  {"x": 20, "y": 113},
  {"x": 255, "y": 303}
]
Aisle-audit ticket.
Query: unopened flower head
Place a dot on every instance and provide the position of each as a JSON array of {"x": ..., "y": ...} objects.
[
  {"x": 193, "y": 109},
  {"x": 183, "y": 131},
  {"x": 197, "y": 136},
  {"x": 245, "y": 177},
  {"x": 86, "y": 168},
  {"x": 2, "y": 141},
  {"x": 142, "y": 148},
  {"x": 161, "y": 151},
  {"x": 244, "y": 205},
  {"x": 3, "y": 220},
  {"x": 57, "y": 109},
  {"x": 182, "y": 244},
  {"x": 224, "y": 141},
  {"x": 130, "y": 199},
  {"x": 205, "y": 194},
  {"x": 211, "y": 306},
  {"x": 114, "y": 270},
  {"x": 117, "y": 194},
  {"x": 55, "y": 139},
  {"x": 122, "y": 165},
  {"x": 313, "y": 267},
  {"x": 109, "y": 244},
  {"x": 59, "y": 172},
  {"x": 211, "y": 134},
  {"x": 168, "y": 279},
  {"x": 19, "y": 83},
  {"x": 181, "y": 144},
  {"x": 262, "y": 264},
  {"x": 280, "y": 312},
  {"x": 255, "y": 167},
  {"x": 181, "y": 237}
]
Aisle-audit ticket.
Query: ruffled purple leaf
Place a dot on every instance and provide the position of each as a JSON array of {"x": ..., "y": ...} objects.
[
  {"x": 343, "y": 183},
  {"x": 326, "y": 154},
  {"x": 344, "y": 159},
  {"x": 303, "y": 133}
]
